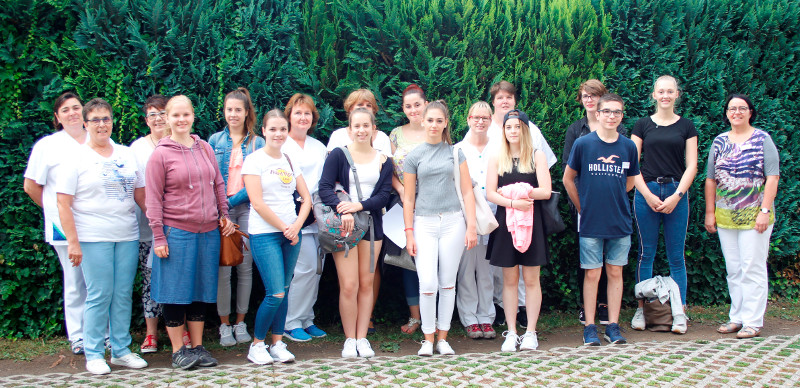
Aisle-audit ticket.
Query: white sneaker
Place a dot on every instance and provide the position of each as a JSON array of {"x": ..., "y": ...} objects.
[
  {"x": 426, "y": 349},
  {"x": 130, "y": 360},
  {"x": 226, "y": 335},
  {"x": 349, "y": 350},
  {"x": 679, "y": 324},
  {"x": 637, "y": 323},
  {"x": 240, "y": 333},
  {"x": 278, "y": 352},
  {"x": 443, "y": 348},
  {"x": 98, "y": 367},
  {"x": 510, "y": 343},
  {"x": 259, "y": 354},
  {"x": 529, "y": 341},
  {"x": 364, "y": 348}
]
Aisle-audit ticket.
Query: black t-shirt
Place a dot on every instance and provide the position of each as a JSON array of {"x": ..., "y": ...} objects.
[{"x": 663, "y": 147}]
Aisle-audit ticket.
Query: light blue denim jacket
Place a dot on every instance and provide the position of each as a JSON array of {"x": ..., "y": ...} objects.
[{"x": 222, "y": 144}]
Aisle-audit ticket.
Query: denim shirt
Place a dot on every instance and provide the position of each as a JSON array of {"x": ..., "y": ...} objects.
[{"x": 222, "y": 144}]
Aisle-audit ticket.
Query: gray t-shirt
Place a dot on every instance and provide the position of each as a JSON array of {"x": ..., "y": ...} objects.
[{"x": 436, "y": 187}]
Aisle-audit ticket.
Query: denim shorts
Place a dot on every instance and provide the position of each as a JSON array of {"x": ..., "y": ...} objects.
[{"x": 614, "y": 250}]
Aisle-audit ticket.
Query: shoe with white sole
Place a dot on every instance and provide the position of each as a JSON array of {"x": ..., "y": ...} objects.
[
  {"x": 350, "y": 349},
  {"x": 637, "y": 323},
  {"x": 259, "y": 354},
  {"x": 426, "y": 349},
  {"x": 529, "y": 341},
  {"x": 98, "y": 367},
  {"x": 226, "y": 335},
  {"x": 240, "y": 333},
  {"x": 443, "y": 348},
  {"x": 279, "y": 352},
  {"x": 364, "y": 348},
  {"x": 510, "y": 343},
  {"x": 130, "y": 360}
]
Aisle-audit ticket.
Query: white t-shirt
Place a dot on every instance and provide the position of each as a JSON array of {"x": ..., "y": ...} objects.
[
  {"x": 46, "y": 155},
  {"x": 368, "y": 175},
  {"x": 495, "y": 133},
  {"x": 142, "y": 149},
  {"x": 310, "y": 159},
  {"x": 340, "y": 138},
  {"x": 277, "y": 185},
  {"x": 103, "y": 203}
]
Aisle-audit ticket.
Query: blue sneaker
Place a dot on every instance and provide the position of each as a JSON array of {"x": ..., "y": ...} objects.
[
  {"x": 315, "y": 332},
  {"x": 613, "y": 335},
  {"x": 297, "y": 335},
  {"x": 590, "y": 336}
]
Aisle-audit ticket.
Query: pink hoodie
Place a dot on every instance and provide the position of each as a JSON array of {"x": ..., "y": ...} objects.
[
  {"x": 184, "y": 189},
  {"x": 519, "y": 223}
]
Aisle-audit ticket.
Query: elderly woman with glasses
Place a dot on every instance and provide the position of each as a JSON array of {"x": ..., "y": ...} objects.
[
  {"x": 741, "y": 184},
  {"x": 96, "y": 200}
]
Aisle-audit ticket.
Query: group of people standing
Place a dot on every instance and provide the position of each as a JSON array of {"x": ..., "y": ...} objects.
[{"x": 164, "y": 203}]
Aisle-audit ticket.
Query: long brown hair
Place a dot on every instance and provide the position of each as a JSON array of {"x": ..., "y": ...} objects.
[
  {"x": 242, "y": 94},
  {"x": 441, "y": 106}
]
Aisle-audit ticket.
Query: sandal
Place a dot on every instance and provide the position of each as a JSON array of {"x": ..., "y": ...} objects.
[
  {"x": 748, "y": 332},
  {"x": 371, "y": 328},
  {"x": 729, "y": 328},
  {"x": 412, "y": 326}
]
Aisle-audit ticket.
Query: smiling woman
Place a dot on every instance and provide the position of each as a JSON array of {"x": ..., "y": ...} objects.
[{"x": 96, "y": 201}]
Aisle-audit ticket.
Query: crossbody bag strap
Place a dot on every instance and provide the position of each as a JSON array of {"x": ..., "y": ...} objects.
[{"x": 369, "y": 215}]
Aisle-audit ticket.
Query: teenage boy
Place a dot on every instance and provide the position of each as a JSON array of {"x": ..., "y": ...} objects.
[{"x": 605, "y": 164}]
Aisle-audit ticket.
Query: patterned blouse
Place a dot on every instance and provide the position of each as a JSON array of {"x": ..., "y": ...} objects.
[
  {"x": 402, "y": 147},
  {"x": 740, "y": 171}
]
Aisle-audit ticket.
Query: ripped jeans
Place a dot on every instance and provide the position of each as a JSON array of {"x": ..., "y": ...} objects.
[{"x": 275, "y": 259}]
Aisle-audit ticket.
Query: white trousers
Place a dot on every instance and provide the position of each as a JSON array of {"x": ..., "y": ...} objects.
[
  {"x": 74, "y": 294},
  {"x": 240, "y": 215},
  {"x": 440, "y": 242},
  {"x": 305, "y": 285},
  {"x": 745, "y": 254},
  {"x": 497, "y": 274},
  {"x": 475, "y": 288}
]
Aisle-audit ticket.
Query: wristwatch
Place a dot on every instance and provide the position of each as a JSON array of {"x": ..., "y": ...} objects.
[
  {"x": 680, "y": 194},
  {"x": 765, "y": 210}
]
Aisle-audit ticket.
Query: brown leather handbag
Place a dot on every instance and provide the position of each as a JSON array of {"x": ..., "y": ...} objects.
[{"x": 231, "y": 249}]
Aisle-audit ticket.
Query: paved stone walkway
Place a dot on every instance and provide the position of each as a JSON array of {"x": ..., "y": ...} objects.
[{"x": 771, "y": 361}]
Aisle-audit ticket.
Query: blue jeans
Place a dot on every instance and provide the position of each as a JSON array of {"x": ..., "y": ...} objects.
[
  {"x": 648, "y": 223},
  {"x": 109, "y": 269},
  {"x": 411, "y": 286},
  {"x": 275, "y": 259}
]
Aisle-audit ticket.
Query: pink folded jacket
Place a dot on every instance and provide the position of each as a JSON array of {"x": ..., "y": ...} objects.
[{"x": 519, "y": 223}]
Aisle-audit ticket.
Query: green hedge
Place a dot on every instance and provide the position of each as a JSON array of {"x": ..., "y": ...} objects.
[{"x": 126, "y": 50}]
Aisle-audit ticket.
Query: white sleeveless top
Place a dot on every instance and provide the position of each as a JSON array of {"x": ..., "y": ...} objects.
[{"x": 368, "y": 175}]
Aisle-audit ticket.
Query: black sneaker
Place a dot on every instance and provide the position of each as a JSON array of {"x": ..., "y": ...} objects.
[
  {"x": 185, "y": 359},
  {"x": 522, "y": 317},
  {"x": 204, "y": 357},
  {"x": 582, "y": 316},
  {"x": 602, "y": 314},
  {"x": 500, "y": 316}
]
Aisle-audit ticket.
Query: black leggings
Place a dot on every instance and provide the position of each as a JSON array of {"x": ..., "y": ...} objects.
[{"x": 176, "y": 314}]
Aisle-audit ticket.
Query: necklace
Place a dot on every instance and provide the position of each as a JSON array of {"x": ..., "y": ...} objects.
[{"x": 150, "y": 136}]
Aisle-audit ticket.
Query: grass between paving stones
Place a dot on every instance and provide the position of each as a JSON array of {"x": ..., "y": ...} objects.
[{"x": 389, "y": 340}]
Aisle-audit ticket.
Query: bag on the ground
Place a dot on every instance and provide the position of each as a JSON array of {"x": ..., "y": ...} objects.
[
  {"x": 657, "y": 315},
  {"x": 331, "y": 236}
]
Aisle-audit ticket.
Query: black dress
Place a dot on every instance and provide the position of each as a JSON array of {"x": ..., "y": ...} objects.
[{"x": 501, "y": 245}]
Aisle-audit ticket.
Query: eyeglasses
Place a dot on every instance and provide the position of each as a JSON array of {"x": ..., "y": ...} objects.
[
  {"x": 480, "y": 118},
  {"x": 153, "y": 115},
  {"x": 588, "y": 97},
  {"x": 611, "y": 113},
  {"x": 741, "y": 109},
  {"x": 96, "y": 122}
]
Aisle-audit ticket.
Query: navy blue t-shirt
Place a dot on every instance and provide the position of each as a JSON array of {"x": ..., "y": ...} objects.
[{"x": 603, "y": 170}]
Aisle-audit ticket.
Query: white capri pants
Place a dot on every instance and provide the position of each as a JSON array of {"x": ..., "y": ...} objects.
[
  {"x": 440, "y": 243},
  {"x": 745, "y": 254},
  {"x": 74, "y": 294}
]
